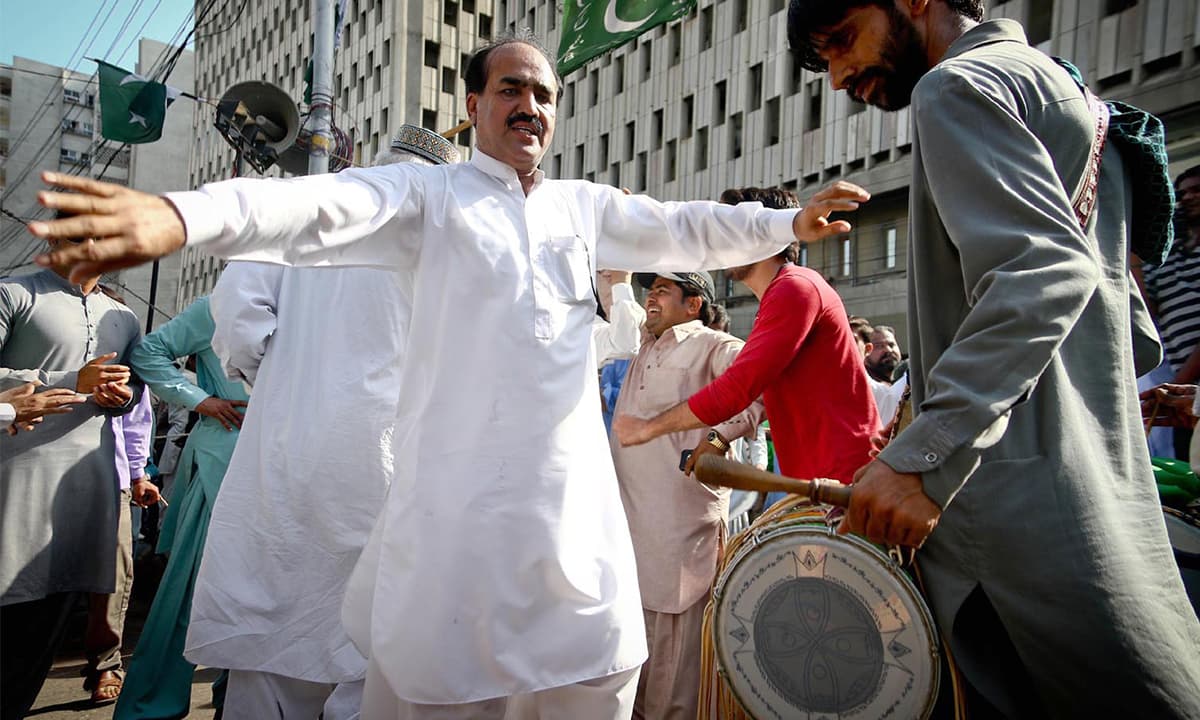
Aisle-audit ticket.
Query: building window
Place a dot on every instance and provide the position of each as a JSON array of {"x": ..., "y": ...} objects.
[
  {"x": 706, "y": 28},
  {"x": 702, "y": 149},
  {"x": 580, "y": 156},
  {"x": 557, "y": 165},
  {"x": 468, "y": 6},
  {"x": 771, "y": 122},
  {"x": 1040, "y": 22},
  {"x": 719, "y": 103},
  {"x": 387, "y": 52},
  {"x": 812, "y": 120},
  {"x": 448, "y": 78},
  {"x": 777, "y": 5},
  {"x": 603, "y": 161},
  {"x": 686, "y": 117},
  {"x": 450, "y": 13},
  {"x": 846, "y": 264},
  {"x": 378, "y": 78},
  {"x": 642, "y": 165},
  {"x": 593, "y": 88},
  {"x": 741, "y": 14},
  {"x": 433, "y": 54},
  {"x": 485, "y": 27},
  {"x": 656, "y": 130},
  {"x": 889, "y": 245},
  {"x": 735, "y": 136},
  {"x": 674, "y": 43},
  {"x": 618, "y": 73},
  {"x": 568, "y": 101},
  {"x": 802, "y": 256},
  {"x": 669, "y": 163},
  {"x": 464, "y": 138},
  {"x": 614, "y": 175},
  {"x": 1112, "y": 7},
  {"x": 646, "y": 54},
  {"x": 630, "y": 140},
  {"x": 754, "y": 88},
  {"x": 429, "y": 120}
]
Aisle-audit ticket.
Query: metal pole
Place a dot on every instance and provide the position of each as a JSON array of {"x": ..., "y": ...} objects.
[
  {"x": 153, "y": 295},
  {"x": 320, "y": 114}
]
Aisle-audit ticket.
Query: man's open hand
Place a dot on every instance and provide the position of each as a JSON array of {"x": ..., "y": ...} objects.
[
  {"x": 130, "y": 227},
  {"x": 112, "y": 395},
  {"x": 812, "y": 223},
  {"x": 890, "y": 508},
  {"x": 31, "y": 406}
]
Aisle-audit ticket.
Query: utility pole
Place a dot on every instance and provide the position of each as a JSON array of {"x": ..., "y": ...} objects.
[{"x": 320, "y": 116}]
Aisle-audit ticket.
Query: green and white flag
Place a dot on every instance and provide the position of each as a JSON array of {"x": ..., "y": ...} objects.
[
  {"x": 132, "y": 108},
  {"x": 593, "y": 27}
]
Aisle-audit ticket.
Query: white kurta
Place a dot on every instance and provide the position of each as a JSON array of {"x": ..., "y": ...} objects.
[
  {"x": 504, "y": 563},
  {"x": 323, "y": 350}
]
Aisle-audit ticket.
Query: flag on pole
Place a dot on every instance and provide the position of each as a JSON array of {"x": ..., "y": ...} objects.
[
  {"x": 593, "y": 27},
  {"x": 132, "y": 108}
]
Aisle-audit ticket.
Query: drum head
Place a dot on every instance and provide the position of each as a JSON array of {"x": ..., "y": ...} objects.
[{"x": 808, "y": 624}]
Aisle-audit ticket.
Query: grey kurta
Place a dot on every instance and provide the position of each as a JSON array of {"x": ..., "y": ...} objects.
[
  {"x": 58, "y": 484},
  {"x": 1022, "y": 368}
]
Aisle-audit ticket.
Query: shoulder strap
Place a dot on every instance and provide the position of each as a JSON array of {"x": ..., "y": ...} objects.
[{"x": 1083, "y": 200}]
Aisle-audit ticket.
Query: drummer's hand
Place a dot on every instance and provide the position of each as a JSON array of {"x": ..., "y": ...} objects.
[
  {"x": 703, "y": 448},
  {"x": 889, "y": 507},
  {"x": 130, "y": 227}
]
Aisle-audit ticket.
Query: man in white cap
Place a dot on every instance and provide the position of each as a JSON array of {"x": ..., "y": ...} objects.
[{"x": 309, "y": 473}]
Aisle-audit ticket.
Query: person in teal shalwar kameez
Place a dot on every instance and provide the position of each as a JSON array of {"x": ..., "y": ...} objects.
[{"x": 159, "y": 680}]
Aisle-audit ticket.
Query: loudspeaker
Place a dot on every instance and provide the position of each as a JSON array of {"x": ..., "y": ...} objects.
[
  {"x": 259, "y": 120},
  {"x": 295, "y": 158}
]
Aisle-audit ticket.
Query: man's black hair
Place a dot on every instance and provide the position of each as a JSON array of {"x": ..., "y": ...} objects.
[
  {"x": 772, "y": 197},
  {"x": 477, "y": 66},
  {"x": 719, "y": 316},
  {"x": 809, "y": 18}
]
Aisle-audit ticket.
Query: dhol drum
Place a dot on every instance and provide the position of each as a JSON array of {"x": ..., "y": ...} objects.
[
  {"x": 1183, "y": 530},
  {"x": 805, "y": 623},
  {"x": 741, "y": 502}
]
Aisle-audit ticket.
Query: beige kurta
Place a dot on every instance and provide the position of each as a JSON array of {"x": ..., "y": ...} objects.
[{"x": 676, "y": 522}]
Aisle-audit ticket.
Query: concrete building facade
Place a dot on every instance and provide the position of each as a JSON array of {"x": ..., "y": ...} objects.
[
  {"x": 50, "y": 120},
  {"x": 398, "y": 62},
  {"x": 714, "y": 100}
]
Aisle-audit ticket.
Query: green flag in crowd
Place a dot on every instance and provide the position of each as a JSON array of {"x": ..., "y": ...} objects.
[
  {"x": 132, "y": 108},
  {"x": 593, "y": 27}
]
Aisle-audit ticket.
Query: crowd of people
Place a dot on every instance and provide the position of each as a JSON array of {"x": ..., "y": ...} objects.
[{"x": 399, "y": 502}]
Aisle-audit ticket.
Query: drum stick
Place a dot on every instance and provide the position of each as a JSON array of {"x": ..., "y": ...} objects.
[
  {"x": 716, "y": 470},
  {"x": 456, "y": 129}
]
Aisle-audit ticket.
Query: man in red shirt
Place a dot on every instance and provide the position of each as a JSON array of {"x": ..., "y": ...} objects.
[{"x": 800, "y": 357}]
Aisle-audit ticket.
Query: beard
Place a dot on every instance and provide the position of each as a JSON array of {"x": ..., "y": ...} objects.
[
  {"x": 882, "y": 368},
  {"x": 902, "y": 62}
]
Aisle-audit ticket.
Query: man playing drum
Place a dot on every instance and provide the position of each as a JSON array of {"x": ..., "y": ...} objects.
[{"x": 1049, "y": 569}]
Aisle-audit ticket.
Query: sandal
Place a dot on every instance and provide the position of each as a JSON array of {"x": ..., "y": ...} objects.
[{"x": 105, "y": 687}]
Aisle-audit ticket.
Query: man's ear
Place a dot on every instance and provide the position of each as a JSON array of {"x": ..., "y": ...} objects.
[
  {"x": 472, "y": 103},
  {"x": 868, "y": 348},
  {"x": 694, "y": 304},
  {"x": 915, "y": 7}
]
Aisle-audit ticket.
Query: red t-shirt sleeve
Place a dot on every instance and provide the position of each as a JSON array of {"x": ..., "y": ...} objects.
[{"x": 789, "y": 310}]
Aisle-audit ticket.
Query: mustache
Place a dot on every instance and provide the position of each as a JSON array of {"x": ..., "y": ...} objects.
[{"x": 523, "y": 117}]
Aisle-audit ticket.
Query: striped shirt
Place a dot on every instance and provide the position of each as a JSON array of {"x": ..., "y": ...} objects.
[{"x": 1175, "y": 287}]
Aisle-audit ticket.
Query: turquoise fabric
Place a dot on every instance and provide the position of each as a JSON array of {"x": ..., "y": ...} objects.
[{"x": 158, "y": 683}]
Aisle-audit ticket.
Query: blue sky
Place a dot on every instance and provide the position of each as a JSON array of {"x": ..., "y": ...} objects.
[{"x": 51, "y": 31}]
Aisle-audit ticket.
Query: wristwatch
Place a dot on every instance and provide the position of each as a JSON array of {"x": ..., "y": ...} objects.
[{"x": 714, "y": 438}]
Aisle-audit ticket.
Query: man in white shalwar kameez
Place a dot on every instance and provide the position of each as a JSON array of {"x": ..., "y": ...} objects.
[
  {"x": 500, "y": 577},
  {"x": 309, "y": 473}
]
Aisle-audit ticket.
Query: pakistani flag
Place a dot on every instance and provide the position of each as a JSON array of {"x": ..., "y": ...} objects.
[
  {"x": 593, "y": 27},
  {"x": 132, "y": 108}
]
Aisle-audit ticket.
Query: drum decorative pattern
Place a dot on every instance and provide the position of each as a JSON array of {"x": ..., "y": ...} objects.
[{"x": 812, "y": 625}]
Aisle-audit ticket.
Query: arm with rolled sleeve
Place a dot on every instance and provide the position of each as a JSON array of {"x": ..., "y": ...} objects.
[
  {"x": 621, "y": 336},
  {"x": 1026, "y": 265},
  {"x": 244, "y": 306},
  {"x": 744, "y": 422},
  {"x": 187, "y": 333},
  {"x": 788, "y": 312}
]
